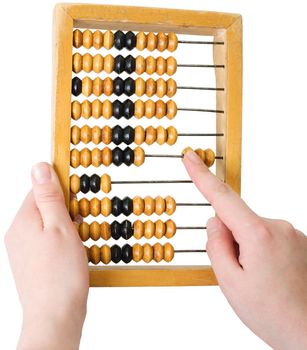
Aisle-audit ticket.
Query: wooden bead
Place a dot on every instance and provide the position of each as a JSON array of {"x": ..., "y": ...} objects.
[
  {"x": 140, "y": 87},
  {"x": 77, "y": 38},
  {"x": 161, "y": 65},
  {"x": 77, "y": 63},
  {"x": 105, "y": 231},
  {"x": 74, "y": 183},
  {"x": 159, "y": 205},
  {"x": 107, "y": 109},
  {"x": 170, "y": 205},
  {"x": 87, "y": 39},
  {"x": 151, "y": 65},
  {"x": 106, "y": 135},
  {"x": 161, "y": 87},
  {"x": 96, "y": 135},
  {"x": 161, "y": 135},
  {"x": 147, "y": 253},
  {"x": 138, "y": 229},
  {"x": 151, "y": 41},
  {"x": 186, "y": 150},
  {"x": 150, "y": 135},
  {"x": 98, "y": 63},
  {"x": 138, "y": 205},
  {"x": 108, "y": 40},
  {"x": 105, "y": 254},
  {"x": 139, "y": 109},
  {"x": 171, "y": 109},
  {"x": 87, "y": 86},
  {"x": 94, "y": 254},
  {"x": 75, "y": 135},
  {"x": 96, "y": 157},
  {"x": 106, "y": 156},
  {"x": 95, "y": 206},
  {"x": 158, "y": 252},
  {"x": 86, "y": 109},
  {"x": 140, "y": 65},
  {"x": 209, "y": 157},
  {"x": 151, "y": 87},
  {"x": 74, "y": 208},
  {"x": 137, "y": 252},
  {"x": 160, "y": 109},
  {"x": 74, "y": 158},
  {"x": 170, "y": 229},
  {"x": 162, "y": 41},
  {"x": 98, "y": 86},
  {"x": 201, "y": 153},
  {"x": 96, "y": 109},
  {"x": 87, "y": 252},
  {"x": 108, "y": 86},
  {"x": 86, "y": 134},
  {"x": 160, "y": 229},
  {"x": 149, "y": 207},
  {"x": 150, "y": 108},
  {"x": 84, "y": 231},
  {"x": 105, "y": 183},
  {"x": 75, "y": 110},
  {"x": 87, "y": 63},
  {"x": 171, "y": 64},
  {"x": 139, "y": 135},
  {"x": 95, "y": 231},
  {"x": 172, "y": 42},
  {"x": 171, "y": 87},
  {"x": 106, "y": 206},
  {"x": 168, "y": 252},
  {"x": 141, "y": 41},
  {"x": 149, "y": 229},
  {"x": 85, "y": 157},
  {"x": 171, "y": 135},
  {"x": 108, "y": 64},
  {"x": 139, "y": 156},
  {"x": 97, "y": 39}
]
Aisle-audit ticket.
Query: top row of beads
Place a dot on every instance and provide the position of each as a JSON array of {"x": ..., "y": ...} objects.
[{"x": 128, "y": 40}]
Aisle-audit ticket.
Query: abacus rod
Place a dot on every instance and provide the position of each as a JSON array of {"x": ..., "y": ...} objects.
[
  {"x": 191, "y": 227},
  {"x": 171, "y": 156},
  {"x": 201, "y": 110},
  {"x": 151, "y": 182},
  {"x": 199, "y": 88},
  {"x": 193, "y": 204},
  {"x": 190, "y": 251},
  {"x": 201, "y": 65},
  {"x": 200, "y": 134},
  {"x": 201, "y": 42}
]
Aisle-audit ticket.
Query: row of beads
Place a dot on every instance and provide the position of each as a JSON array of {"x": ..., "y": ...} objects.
[
  {"x": 137, "y": 252},
  {"x": 118, "y": 86},
  {"x": 126, "y": 206},
  {"x": 126, "y": 135},
  {"x": 126, "y": 230},
  {"x": 106, "y": 156},
  {"x": 128, "y": 40},
  {"x": 120, "y": 64},
  {"x": 126, "y": 109}
]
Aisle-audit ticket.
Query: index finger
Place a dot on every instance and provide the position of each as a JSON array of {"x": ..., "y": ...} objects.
[{"x": 230, "y": 208}]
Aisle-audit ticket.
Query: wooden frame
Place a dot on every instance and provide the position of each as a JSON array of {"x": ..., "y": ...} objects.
[{"x": 224, "y": 27}]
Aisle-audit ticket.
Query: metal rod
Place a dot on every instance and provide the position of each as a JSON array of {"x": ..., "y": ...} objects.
[
  {"x": 190, "y": 251},
  {"x": 191, "y": 134},
  {"x": 152, "y": 182},
  {"x": 191, "y": 228},
  {"x": 200, "y": 110},
  {"x": 171, "y": 156},
  {"x": 201, "y": 65},
  {"x": 193, "y": 204},
  {"x": 200, "y": 42},
  {"x": 199, "y": 88}
]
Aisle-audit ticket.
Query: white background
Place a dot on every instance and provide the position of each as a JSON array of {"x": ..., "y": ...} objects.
[{"x": 274, "y": 168}]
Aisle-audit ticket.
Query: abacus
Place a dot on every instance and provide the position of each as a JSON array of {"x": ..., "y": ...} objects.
[{"x": 135, "y": 88}]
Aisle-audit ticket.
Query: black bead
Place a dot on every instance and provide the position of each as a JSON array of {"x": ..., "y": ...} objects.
[
  {"x": 119, "y": 40},
  {"x": 130, "y": 40},
  {"x": 95, "y": 183},
  {"x": 129, "y": 64},
  {"x": 128, "y": 156},
  {"x": 128, "y": 109},
  {"x": 119, "y": 64},
  {"x": 116, "y": 253},
  {"x": 127, "y": 206},
  {"x": 117, "y": 135},
  {"x": 76, "y": 86},
  {"x": 128, "y": 135},
  {"x": 117, "y": 156},
  {"x": 129, "y": 86},
  {"x": 118, "y": 86},
  {"x": 116, "y": 231},
  {"x": 84, "y": 183},
  {"x": 127, "y": 229},
  {"x": 116, "y": 206},
  {"x": 126, "y": 253},
  {"x": 118, "y": 109}
]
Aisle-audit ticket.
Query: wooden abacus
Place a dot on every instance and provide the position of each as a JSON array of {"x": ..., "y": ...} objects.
[{"x": 102, "y": 55}]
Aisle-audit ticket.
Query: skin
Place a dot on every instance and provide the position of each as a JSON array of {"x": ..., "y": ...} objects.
[{"x": 260, "y": 264}]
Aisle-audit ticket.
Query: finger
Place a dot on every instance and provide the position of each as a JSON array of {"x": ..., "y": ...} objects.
[
  {"x": 231, "y": 209},
  {"x": 222, "y": 251},
  {"x": 49, "y": 196}
]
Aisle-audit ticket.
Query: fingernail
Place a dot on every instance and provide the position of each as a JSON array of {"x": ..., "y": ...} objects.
[
  {"x": 211, "y": 223},
  {"x": 41, "y": 173},
  {"x": 193, "y": 157}
]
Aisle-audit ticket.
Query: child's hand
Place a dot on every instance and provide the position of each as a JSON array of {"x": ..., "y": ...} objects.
[
  {"x": 49, "y": 265},
  {"x": 260, "y": 264}
]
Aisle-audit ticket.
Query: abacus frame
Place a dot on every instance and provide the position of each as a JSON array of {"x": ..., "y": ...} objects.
[{"x": 223, "y": 27}]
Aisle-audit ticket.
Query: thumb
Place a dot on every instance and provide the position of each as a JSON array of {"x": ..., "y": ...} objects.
[
  {"x": 49, "y": 196},
  {"x": 221, "y": 251}
]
